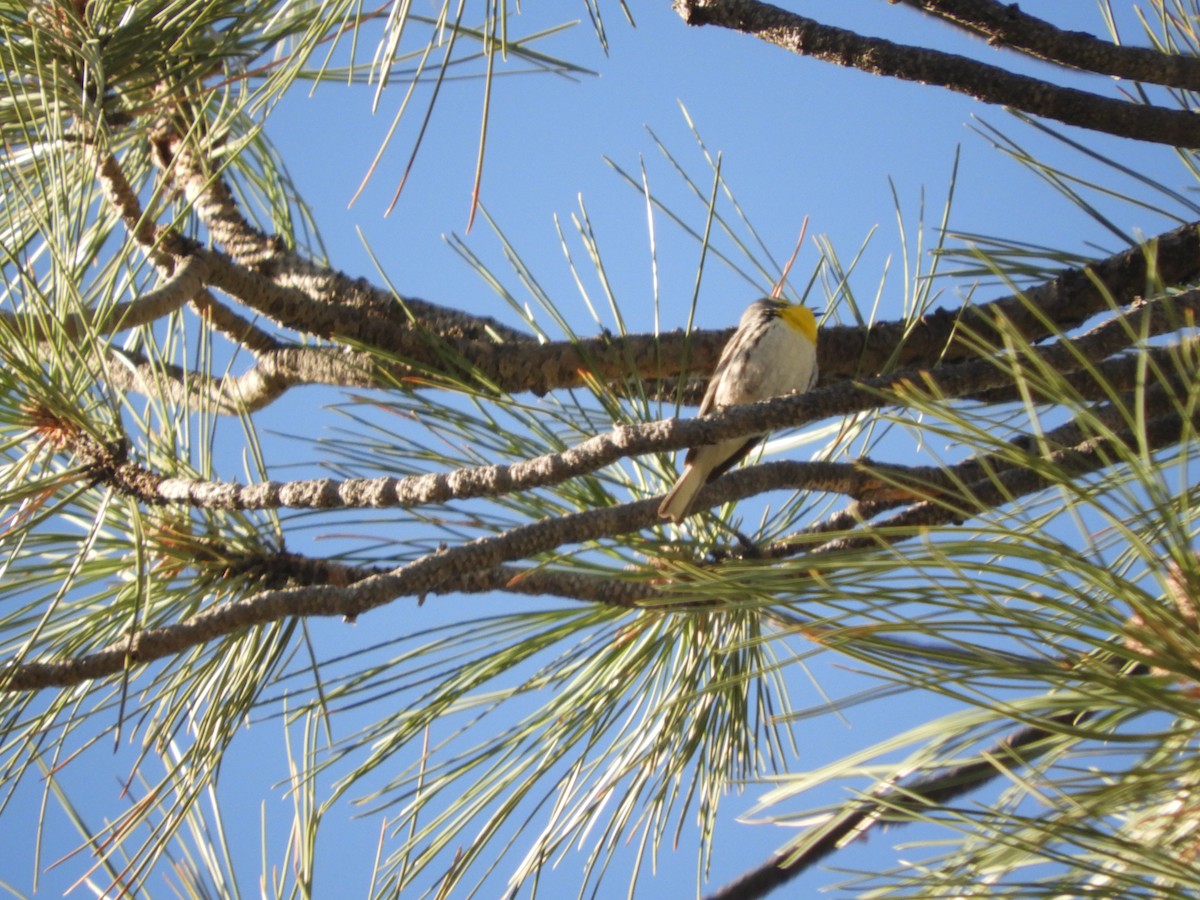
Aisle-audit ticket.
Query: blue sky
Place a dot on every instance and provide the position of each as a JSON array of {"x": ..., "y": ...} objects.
[{"x": 798, "y": 139}]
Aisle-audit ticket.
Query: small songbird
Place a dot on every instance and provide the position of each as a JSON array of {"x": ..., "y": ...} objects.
[{"x": 773, "y": 352}]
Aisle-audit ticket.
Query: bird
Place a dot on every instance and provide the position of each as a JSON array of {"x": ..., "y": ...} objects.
[{"x": 773, "y": 352}]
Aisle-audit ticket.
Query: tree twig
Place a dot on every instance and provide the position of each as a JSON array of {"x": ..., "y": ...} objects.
[
  {"x": 237, "y": 329},
  {"x": 1090, "y": 455},
  {"x": 182, "y": 286},
  {"x": 273, "y": 374},
  {"x": 889, "y": 805}
]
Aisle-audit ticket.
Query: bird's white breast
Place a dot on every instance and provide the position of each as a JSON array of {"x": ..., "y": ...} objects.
[{"x": 784, "y": 361}]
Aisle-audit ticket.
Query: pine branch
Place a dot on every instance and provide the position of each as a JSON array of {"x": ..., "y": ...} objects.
[
  {"x": 1006, "y": 25},
  {"x": 889, "y": 805},
  {"x": 275, "y": 569},
  {"x": 1171, "y": 259},
  {"x": 987, "y": 83},
  {"x": 417, "y": 579},
  {"x": 1117, "y": 374},
  {"x": 184, "y": 285},
  {"x": 248, "y": 247},
  {"x": 116, "y": 189},
  {"x": 237, "y": 329},
  {"x": 433, "y": 572},
  {"x": 1000, "y": 488},
  {"x": 272, "y": 375}
]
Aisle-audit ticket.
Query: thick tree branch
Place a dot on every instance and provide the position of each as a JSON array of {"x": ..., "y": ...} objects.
[
  {"x": 159, "y": 243},
  {"x": 987, "y": 83},
  {"x": 1171, "y": 259},
  {"x": 1006, "y": 25}
]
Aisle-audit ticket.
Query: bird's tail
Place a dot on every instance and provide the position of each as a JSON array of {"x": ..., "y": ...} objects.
[{"x": 677, "y": 505}]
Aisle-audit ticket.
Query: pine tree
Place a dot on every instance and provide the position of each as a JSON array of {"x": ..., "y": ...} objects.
[{"x": 993, "y": 508}]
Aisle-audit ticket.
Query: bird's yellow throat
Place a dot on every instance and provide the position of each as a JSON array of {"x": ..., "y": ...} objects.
[{"x": 802, "y": 319}]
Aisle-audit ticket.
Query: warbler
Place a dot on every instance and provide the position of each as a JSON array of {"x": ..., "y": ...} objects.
[{"x": 773, "y": 352}]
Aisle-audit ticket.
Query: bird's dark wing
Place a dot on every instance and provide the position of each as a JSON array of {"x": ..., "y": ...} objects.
[{"x": 742, "y": 452}]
